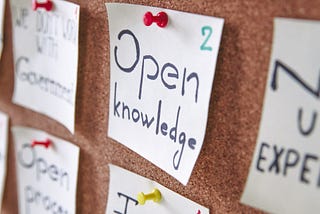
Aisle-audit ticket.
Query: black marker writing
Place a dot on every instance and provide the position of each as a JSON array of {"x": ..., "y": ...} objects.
[
  {"x": 275, "y": 163},
  {"x": 24, "y": 74},
  {"x": 309, "y": 130},
  {"x": 168, "y": 73},
  {"x": 21, "y": 15},
  {"x": 47, "y": 45},
  {"x": 281, "y": 161},
  {"x": 289, "y": 71},
  {"x": 315, "y": 92},
  {"x": 27, "y": 158},
  {"x": 128, "y": 199},
  {"x": 155, "y": 122},
  {"x": 69, "y": 30},
  {"x": 34, "y": 197},
  {"x": 47, "y": 23},
  {"x": 129, "y": 69}
]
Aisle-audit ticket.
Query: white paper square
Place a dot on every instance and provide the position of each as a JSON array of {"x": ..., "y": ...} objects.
[
  {"x": 123, "y": 190},
  {"x": 46, "y": 177},
  {"x": 2, "y": 10},
  {"x": 45, "y": 48},
  {"x": 284, "y": 174},
  {"x": 4, "y": 123},
  {"x": 175, "y": 96}
]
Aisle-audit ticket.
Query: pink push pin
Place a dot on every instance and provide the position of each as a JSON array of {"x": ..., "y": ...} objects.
[
  {"x": 48, "y": 5},
  {"x": 45, "y": 143},
  {"x": 161, "y": 19}
]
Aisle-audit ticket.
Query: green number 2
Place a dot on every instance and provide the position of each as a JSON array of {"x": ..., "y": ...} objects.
[{"x": 204, "y": 46}]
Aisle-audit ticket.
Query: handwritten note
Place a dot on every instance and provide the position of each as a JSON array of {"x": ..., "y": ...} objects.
[
  {"x": 45, "y": 46},
  {"x": 4, "y": 120},
  {"x": 285, "y": 171},
  {"x": 123, "y": 190},
  {"x": 160, "y": 84},
  {"x": 2, "y": 10},
  {"x": 46, "y": 177}
]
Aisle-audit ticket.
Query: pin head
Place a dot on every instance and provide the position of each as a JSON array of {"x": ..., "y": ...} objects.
[
  {"x": 45, "y": 143},
  {"x": 48, "y": 5},
  {"x": 155, "y": 195},
  {"x": 161, "y": 19}
]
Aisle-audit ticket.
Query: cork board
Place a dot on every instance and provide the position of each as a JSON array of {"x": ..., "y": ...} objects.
[{"x": 220, "y": 173}]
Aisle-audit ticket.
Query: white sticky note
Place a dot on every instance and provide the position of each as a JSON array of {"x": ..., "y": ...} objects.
[
  {"x": 160, "y": 84},
  {"x": 45, "y": 48},
  {"x": 124, "y": 187},
  {"x": 285, "y": 171},
  {"x": 4, "y": 123},
  {"x": 2, "y": 10},
  {"x": 46, "y": 177}
]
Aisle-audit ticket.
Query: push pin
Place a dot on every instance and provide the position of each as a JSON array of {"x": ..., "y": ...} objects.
[
  {"x": 155, "y": 195},
  {"x": 48, "y": 5},
  {"x": 45, "y": 143},
  {"x": 161, "y": 19}
]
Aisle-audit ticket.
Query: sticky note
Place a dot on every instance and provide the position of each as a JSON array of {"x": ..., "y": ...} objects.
[
  {"x": 4, "y": 123},
  {"x": 46, "y": 177},
  {"x": 160, "y": 84},
  {"x": 285, "y": 171},
  {"x": 125, "y": 186},
  {"x": 2, "y": 10},
  {"x": 45, "y": 50}
]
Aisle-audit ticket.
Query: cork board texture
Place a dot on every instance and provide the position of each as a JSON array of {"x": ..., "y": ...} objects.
[{"x": 220, "y": 173}]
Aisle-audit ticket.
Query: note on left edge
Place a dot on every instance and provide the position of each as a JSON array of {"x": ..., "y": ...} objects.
[
  {"x": 46, "y": 177},
  {"x": 45, "y": 49},
  {"x": 4, "y": 126}
]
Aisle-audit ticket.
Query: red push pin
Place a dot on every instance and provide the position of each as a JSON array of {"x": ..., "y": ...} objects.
[
  {"x": 161, "y": 19},
  {"x": 45, "y": 143},
  {"x": 48, "y": 5}
]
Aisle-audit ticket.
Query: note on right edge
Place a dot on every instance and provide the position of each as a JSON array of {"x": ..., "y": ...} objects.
[
  {"x": 123, "y": 190},
  {"x": 285, "y": 170}
]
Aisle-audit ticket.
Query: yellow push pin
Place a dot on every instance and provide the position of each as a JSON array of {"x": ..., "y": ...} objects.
[{"x": 155, "y": 195}]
